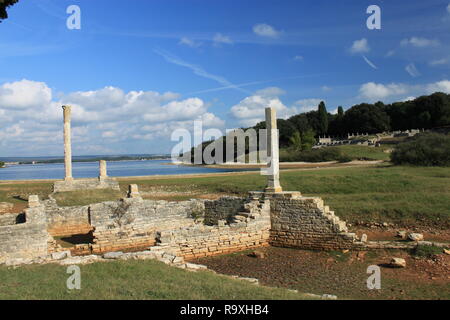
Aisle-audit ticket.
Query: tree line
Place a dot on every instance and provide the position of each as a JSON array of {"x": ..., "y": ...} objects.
[{"x": 426, "y": 112}]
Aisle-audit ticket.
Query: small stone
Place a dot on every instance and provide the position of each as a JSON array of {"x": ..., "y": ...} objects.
[
  {"x": 194, "y": 266},
  {"x": 398, "y": 263},
  {"x": 258, "y": 254},
  {"x": 113, "y": 255},
  {"x": 415, "y": 236},
  {"x": 401, "y": 234},
  {"x": 447, "y": 251},
  {"x": 364, "y": 238},
  {"x": 329, "y": 297},
  {"x": 61, "y": 255}
]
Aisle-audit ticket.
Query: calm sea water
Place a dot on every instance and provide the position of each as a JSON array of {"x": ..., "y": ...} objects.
[{"x": 91, "y": 170}]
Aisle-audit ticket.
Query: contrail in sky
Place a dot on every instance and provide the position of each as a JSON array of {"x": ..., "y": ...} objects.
[
  {"x": 197, "y": 70},
  {"x": 251, "y": 83},
  {"x": 369, "y": 62}
]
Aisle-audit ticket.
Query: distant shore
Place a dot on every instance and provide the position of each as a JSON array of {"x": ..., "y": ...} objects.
[
  {"x": 294, "y": 166},
  {"x": 283, "y": 165}
]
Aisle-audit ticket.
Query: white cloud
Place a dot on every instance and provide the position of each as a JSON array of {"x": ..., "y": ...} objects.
[
  {"x": 441, "y": 86},
  {"x": 221, "y": 39},
  {"x": 307, "y": 105},
  {"x": 412, "y": 70},
  {"x": 390, "y": 53},
  {"x": 420, "y": 42},
  {"x": 189, "y": 42},
  {"x": 376, "y": 91},
  {"x": 250, "y": 110},
  {"x": 439, "y": 62},
  {"x": 298, "y": 58},
  {"x": 30, "y": 114},
  {"x": 448, "y": 8},
  {"x": 270, "y": 92},
  {"x": 24, "y": 94},
  {"x": 360, "y": 46},
  {"x": 326, "y": 88},
  {"x": 372, "y": 92},
  {"x": 265, "y": 30}
]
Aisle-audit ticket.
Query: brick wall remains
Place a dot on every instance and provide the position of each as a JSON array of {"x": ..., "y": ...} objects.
[
  {"x": 133, "y": 223},
  {"x": 243, "y": 230},
  {"x": 63, "y": 221},
  {"x": 306, "y": 223},
  {"x": 25, "y": 240}
]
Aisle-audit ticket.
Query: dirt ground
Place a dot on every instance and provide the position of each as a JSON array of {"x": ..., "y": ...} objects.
[
  {"x": 385, "y": 234},
  {"x": 341, "y": 274}
]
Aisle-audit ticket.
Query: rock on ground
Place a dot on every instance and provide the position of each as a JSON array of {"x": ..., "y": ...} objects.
[
  {"x": 415, "y": 236},
  {"x": 398, "y": 263}
]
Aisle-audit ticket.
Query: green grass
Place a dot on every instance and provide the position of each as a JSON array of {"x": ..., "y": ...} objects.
[
  {"x": 403, "y": 194},
  {"x": 365, "y": 152},
  {"x": 130, "y": 280},
  {"x": 427, "y": 251},
  {"x": 350, "y": 152},
  {"x": 86, "y": 197}
]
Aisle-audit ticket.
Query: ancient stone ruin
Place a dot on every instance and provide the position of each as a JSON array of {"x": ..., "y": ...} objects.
[
  {"x": 187, "y": 229},
  {"x": 71, "y": 184}
]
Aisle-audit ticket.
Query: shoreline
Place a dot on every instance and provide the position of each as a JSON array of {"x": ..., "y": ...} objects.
[{"x": 295, "y": 167}]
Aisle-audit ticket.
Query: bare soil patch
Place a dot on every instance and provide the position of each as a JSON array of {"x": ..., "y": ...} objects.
[{"x": 341, "y": 274}]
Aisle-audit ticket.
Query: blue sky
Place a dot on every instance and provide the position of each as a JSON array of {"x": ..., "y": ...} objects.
[{"x": 137, "y": 70}]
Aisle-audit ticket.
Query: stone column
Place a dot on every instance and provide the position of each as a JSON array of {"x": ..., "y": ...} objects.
[
  {"x": 273, "y": 178},
  {"x": 67, "y": 143},
  {"x": 133, "y": 192},
  {"x": 103, "y": 172}
]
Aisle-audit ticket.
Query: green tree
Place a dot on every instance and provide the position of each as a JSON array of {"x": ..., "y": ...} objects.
[
  {"x": 308, "y": 139},
  {"x": 366, "y": 118},
  {"x": 4, "y": 4},
  {"x": 323, "y": 118},
  {"x": 340, "y": 111},
  {"x": 2, "y": 164},
  {"x": 296, "y": 141}
]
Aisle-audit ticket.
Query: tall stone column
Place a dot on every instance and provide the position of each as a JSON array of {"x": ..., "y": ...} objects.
[
  {"x": 67, "y": 143},
  {"x": 273, "y": 178},
  {"x": 103, "y": 172}
]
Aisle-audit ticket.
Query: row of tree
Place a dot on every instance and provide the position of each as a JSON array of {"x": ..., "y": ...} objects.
[{"x": 425, "y": 112}]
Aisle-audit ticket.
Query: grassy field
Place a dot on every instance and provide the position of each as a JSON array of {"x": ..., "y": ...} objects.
[
  {"x": 353, "y": 152},
  {"x": 365, "y": 153},
  {"x": 144, "y": 280},
  {"x": 385, "y": 193}
]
